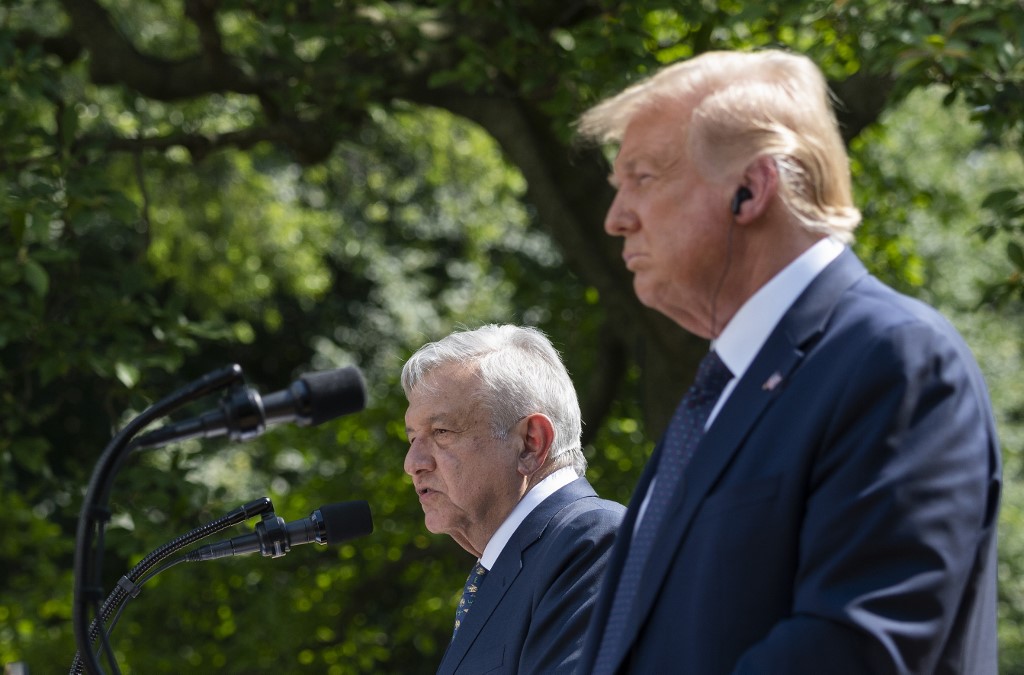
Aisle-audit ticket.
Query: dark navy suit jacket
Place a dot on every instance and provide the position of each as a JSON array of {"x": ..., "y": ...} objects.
[
  {"x": 839, "y": 516},
  {"x": 532, "y": 609}
]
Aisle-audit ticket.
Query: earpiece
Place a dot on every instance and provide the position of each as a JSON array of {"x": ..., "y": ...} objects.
[{"x": 742, "y": 195}]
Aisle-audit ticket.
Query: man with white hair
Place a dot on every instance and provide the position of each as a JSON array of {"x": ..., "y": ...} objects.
[{"x": 494, "y": 453}]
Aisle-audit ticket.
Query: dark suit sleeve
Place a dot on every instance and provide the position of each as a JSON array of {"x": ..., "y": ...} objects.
[
  {"x": 901, "y": 510},
  {"x": 574, "y": 563}
]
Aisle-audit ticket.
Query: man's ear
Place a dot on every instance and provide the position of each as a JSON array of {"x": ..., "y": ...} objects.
[
  {"x": 758, "y": 189},
  {"x": 538, "y": 434}
]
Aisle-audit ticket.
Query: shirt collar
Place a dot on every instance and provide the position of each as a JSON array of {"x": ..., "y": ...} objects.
[
  {"x": 741, "y": 340},
  {"x": 525, "y": 507}
]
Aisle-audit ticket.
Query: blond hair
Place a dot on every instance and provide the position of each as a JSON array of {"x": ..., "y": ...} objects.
[{"x": 739, "y": 106}]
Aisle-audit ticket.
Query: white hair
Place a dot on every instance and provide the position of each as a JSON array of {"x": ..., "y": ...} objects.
[{"x": 521, "y": 374}]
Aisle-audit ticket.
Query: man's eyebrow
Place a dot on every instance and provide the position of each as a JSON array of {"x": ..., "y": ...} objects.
[
  {"x": 627, "y": 166},
  {"x": 437, "y": 418}
]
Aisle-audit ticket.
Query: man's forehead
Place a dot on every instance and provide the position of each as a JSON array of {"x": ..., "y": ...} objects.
[
  {"x": 436, "y": 409},
  {"x": 649, "y": 141},
  {"x": 433, "y": 405}
]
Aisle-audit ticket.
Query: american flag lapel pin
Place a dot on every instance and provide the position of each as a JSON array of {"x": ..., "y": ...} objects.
[{"x": 772, "y": 382}]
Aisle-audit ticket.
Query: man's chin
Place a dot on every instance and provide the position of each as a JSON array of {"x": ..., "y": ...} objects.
[
  {"x": 644, "y": 294},
  {"x": 434, "y": 527}
]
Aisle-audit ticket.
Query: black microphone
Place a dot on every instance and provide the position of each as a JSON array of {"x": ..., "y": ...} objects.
[
  {"x": 243, "y": 414},
  {"x": 330, "y": 524}
]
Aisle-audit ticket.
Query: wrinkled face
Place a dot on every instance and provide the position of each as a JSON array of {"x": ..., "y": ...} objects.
[
  {"x": 673, "y": 222},
  {"x": 467, "y": 480}
]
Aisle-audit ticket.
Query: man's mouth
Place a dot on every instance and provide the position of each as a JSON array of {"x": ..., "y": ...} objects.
[{"x": 630, "y": 258}]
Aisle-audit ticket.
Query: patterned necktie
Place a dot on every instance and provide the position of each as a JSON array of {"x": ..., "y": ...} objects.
[
  {"x": 473, "y": 582},
  {"x": 684, "y": 432}
]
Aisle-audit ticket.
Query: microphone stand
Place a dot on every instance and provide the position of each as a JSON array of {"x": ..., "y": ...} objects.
[
  {"x": 130, "y": 584},
  {"x": 94, "y": 514}
]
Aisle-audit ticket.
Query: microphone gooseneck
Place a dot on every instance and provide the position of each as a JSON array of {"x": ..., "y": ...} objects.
[{"x": 273, "y": 537}]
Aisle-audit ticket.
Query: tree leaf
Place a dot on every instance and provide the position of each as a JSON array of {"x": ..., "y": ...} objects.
[
  {"x": 1015, "y": 252},
  {"x": 37, "y": 278},
  {"x": 127, "y": 373}
]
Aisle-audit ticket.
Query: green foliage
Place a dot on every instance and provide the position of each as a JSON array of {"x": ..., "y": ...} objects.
[
  {"x": 974, "y": 49},
  {"x": 307, "y": 204},
  {"x": 168, "y": 267},
  {"x": 1007, "y": 208}
]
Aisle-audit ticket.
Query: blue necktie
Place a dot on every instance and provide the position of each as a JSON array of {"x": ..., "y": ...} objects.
[
  {"x": 684, "y": 432},
  {"x": 468, "y": 594}
]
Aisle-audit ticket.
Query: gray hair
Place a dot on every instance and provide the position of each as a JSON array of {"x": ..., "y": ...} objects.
[
  {"x": 742, "y": 106},
  {"x": 521, "y": 373}
]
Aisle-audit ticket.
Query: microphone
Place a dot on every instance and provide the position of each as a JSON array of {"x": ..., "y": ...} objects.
[
  {"x": 330, "y": 524},
  {"x": 243, "y": 414}
]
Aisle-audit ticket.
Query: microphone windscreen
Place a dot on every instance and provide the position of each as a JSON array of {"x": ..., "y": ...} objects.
[
  {"x": 333, "y": 393},
  {"x": 346, "y": 520}
]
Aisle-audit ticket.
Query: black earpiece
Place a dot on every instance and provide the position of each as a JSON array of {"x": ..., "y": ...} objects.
[{"x": 742, "y": 195}]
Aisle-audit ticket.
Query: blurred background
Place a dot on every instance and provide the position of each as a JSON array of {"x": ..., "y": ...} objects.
[{"x": 301, "y": 185}]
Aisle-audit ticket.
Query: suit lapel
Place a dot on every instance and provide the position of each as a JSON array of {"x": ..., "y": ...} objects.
[
  {"x": 507, "y": 567},
  {"x": 764, "y": 381}
]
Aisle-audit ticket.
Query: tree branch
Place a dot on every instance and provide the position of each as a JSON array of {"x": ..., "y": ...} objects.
[
  {"x": 201, "y": 145},
  {"x": 604, "y": 383},
  {"x": 115, "y": 60},
  {"x": 66, "y": 47},
  {"x": 202, "y": 14},
  {"x": 862, "y": 98}
]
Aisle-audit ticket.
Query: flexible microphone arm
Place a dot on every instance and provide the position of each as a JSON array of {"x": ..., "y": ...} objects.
[
  {"x": 273, "y": 537},
  {"x": 94, "y": 514},
  {"x": 314, "y": 398},
  {"x": 128, "y": 586}
]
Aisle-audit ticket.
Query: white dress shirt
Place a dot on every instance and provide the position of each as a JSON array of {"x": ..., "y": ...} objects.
[
  {"x": 748, "y": 330},
  {"x": 742, "y": 338},
  {"x": 525, "y": 507}
]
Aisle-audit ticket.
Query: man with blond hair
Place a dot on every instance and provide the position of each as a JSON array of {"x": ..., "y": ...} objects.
[{"x": 825, "y": 498}]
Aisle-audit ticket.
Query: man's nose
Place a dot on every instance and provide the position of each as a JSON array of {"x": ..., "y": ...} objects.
[
  {"x": 621, "y": 218},
  {"x": 416, "y": 458}
]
